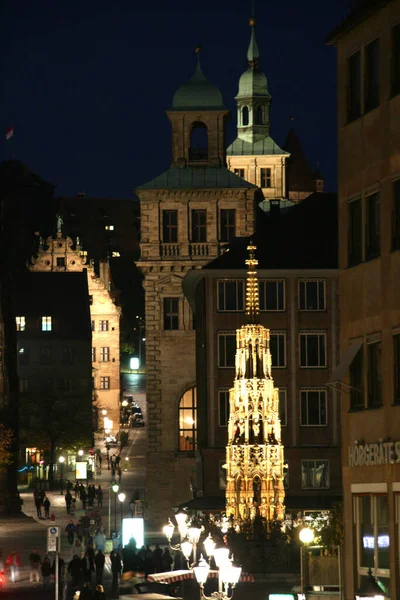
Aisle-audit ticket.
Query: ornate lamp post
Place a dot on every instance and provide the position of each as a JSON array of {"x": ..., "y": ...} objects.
[
  {"x": 306, "y": 536},
  {"x": 189, "y": 536},
  {"x": 115, "y": 489},
  {"x": 121, "y": 498},
  {"x": 228, "y": 575},
  {"x": 369, "y": 589}
]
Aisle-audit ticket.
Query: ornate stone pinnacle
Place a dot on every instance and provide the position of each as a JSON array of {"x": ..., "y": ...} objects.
[{"x": 252, "y": 300}]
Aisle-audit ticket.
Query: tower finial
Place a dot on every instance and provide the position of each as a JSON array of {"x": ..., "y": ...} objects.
[
  {"x": 253, "y": 52},
  {"x": 252, "y": 299}
]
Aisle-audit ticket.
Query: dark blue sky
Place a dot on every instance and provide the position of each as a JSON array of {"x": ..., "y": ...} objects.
[{"x": 86, "y": 83}]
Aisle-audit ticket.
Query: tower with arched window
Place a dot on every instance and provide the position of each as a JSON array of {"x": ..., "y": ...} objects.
[
  {"x": 188, "y": 214},
  {"x": 254, "y": 155},
  {"x": 254, "y": 454}
]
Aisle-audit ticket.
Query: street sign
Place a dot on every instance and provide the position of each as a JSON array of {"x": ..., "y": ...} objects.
[{"x": 53, "y": 536}]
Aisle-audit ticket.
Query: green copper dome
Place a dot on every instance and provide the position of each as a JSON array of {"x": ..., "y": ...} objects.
[
  {"x": 252, "y": 83},
  {"x": 198, "y": 93}
]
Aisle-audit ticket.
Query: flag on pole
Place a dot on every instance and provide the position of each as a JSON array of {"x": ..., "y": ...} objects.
[{"x": 9, "y": 133}]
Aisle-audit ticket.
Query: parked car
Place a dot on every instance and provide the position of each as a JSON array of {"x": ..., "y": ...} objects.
[{"x": 137, "y": 420}]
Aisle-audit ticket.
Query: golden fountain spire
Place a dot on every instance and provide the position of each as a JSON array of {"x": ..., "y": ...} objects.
[{"x": 252, "y": 300}]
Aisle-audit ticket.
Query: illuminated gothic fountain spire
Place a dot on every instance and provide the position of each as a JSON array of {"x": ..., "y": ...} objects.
[{"x": 254, "y": 454}]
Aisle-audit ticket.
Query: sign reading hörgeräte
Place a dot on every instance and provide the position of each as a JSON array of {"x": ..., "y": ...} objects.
[{"x": 377, "y": 453}]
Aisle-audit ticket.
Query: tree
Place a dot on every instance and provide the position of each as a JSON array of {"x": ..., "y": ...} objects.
[
  {"x": 6, "y": 440},
  {"x": 55, "y": 420}
]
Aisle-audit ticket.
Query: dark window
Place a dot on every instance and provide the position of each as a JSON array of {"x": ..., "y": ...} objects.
[
  {"x": 371, "y": 93},
  {"x": 314, "y": 474},
  {"x": 231, "y": 295},
  {"x": 92, "y": 325},
  {"x": 228, "y": 221},
  {"x": 396, "y": 215},
  {"x": 354, "y": 87},
  {"x": 245, "y": 115},
  {"x": 313, "y": 407},
  {"x": 374, "y": 375},
  {"x": 372, "y": 226},
  {"x": 170, "y": 226},
  {"x": 223, "y": 408},
  {"x": 277, "y": 344},
  {"x": 312, "y": 350},
  {"x": 357, "y": 381},
  {"x": 312, "y": 295},
  {"x": 45, "y": 355},
  {"x": 396, "y": 60},
  {"x": 265, "y": 178},
  {"x": 198, "y": 150},
  {"x": 355, "y": 232},
  {"x": 23, "y": 356},
  {"x": 171, "y": 314},
  {"x": 90, "y": 299},
  {"x": 396, "y": 368},
  {"x": 188, "y": 421},
  {"x": 68, "y": 355},
  {"x": 60, "y": 261},
  {"x": 259, "y": 116},
  {"x": 272, "y": 294},
  {"x": 93, "y": 354},
  {"x": 239, "y": 172},
  {"x": 69, "y": 387},
  {"x": 282, "y": 407},
  {"x": 226, "y": 349},
  {"x": 199, "y": 225}
]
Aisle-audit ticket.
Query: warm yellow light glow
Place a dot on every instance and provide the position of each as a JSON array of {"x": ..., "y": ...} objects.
[
  {"x": 306, "y": 535},
  {"x": 61, "y": 459}
]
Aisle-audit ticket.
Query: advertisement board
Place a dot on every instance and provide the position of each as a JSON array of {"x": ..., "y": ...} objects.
[
  {"x": 81, "y": 470},
  {"x": 133, "y": 528}
]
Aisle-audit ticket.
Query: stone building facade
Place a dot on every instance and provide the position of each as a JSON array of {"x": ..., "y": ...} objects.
[
  {"x": 368, "y": 374},
  {"x": 187, "y": 214},
  {"x": 62, "y": 255}
]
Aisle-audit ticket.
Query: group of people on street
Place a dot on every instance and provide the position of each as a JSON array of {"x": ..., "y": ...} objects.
[
  {"x": 86, "y": 495},
  {"x": 41, "y": 500},
  {"x": 147, "y": 560}
]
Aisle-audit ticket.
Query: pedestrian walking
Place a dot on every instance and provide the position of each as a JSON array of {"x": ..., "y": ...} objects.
[
  {"x": 38, "y": 503},
  {"x": 46, "y": 572},
  {"x": 68, "y": 501},
  {"x": 13, "y": 563},
  {"x": 70, "y": 531},
  {"x": 79, "y": 531},
  {"x": 100, "y": 460},
  {"x": 100, "y": 541},
  {"x": 119, "y": 472},
  {"x": 74, "y": 569},
  {"x": 99, "y": 593},
  {"x": 99, "y": 561},
  {"x": 157, "y": 559},
  {"x": 46, "y": 506},
  {"x": 148, "y": 562},
  {"x": 87, "y": 567},
  {"x": 83, "y": 497},
  {"x": 35, "y": 562},
  {"x": 116, "y": 567},
  {"x": 99, "y": 494}
]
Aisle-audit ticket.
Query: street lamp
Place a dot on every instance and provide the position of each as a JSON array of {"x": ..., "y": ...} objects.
[
  {"x": 104, "y": 412},
  {"x": 228, "y": 575},
  {"x": 61, "y": 460},
  {"x": 80, "y": 452},
  {"x": 370, "y": 589},
  {"x": 189, "y": 536},
  {"x": 115, "y": 489},
  {"x": 121, "y": 498},
  {"x": 306, "y": 536}
]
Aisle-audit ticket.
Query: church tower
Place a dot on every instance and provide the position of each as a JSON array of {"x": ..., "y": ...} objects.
[
  {"x": 62, "y": 255},
  {"x": 188, "y": 214},
  {"x": 254, "y": 155},
  {"x": 254, "y": 454}
]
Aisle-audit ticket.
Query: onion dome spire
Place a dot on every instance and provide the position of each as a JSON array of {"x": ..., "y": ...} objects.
[
  {"x": 253, "y": 53},
  {"x": 252, "y": 299}
]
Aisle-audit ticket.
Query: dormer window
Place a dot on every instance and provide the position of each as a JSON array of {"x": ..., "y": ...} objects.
[
  {"x": 259, "y": 116},
  {"x": 46, "y": 323},
  {"x": 20, "y": 323},
  {"x": 265, "y": 178}
]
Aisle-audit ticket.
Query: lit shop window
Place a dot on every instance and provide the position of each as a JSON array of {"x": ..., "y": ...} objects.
[
  {"x": 46, "y": 324},
  {"x": 20, "y": 322},
  {"x": 109, "y": 227}
]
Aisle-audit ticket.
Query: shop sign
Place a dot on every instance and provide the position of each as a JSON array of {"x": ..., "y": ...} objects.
[{"x": 377, "y": 453}]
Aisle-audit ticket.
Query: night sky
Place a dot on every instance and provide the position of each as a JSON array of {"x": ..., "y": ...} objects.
[{"x": 85, "y": 84}]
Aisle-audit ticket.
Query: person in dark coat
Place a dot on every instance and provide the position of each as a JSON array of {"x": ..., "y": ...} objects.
[
  {"x": 167, "y": 560},
  {"x": 75, "y": 570},
  {"x": 87, "y": 567},
  {"x": 148, "y": 561},
  {"x": 99, "y": 593},
  {"x": 157, "y": 559},
  {"x": 46, "y": 572},
  {"x": 116, "y": 567},
  {"x": 46, "y": 506},
  {"x": 99, "y": 561},
  {"x": 86, "y": 593},
  {"x": 70, "y": 531}
]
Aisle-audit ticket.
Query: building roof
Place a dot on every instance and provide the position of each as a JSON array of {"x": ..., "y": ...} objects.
[
  {"x": 63, "y": 296},
  {"x": 16, "y": 171},
  {"x": 359, "y": 14},
  {"x": 300, "y": 175},
  {"x": 198, "y": 93},
  {"x": 265, "y": 146},
  {"x": 303, "y": 237},
  {"x": 196, "y": 177}
]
